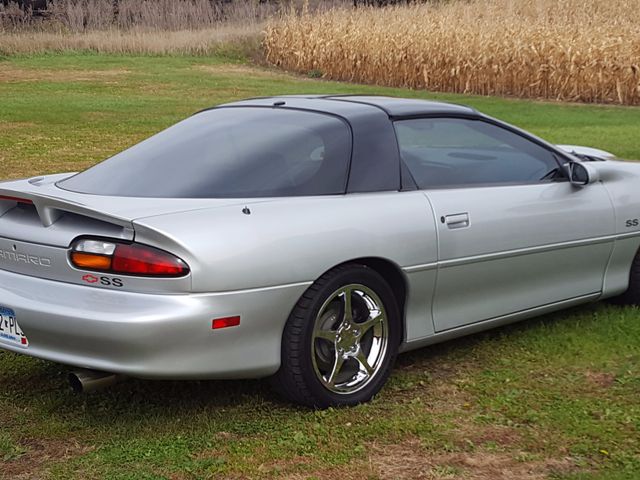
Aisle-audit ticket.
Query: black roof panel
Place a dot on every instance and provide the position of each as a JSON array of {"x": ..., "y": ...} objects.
[
  {"x": 375, "y": 161},
  {"x": 401, "y": 107},
  {"x": 338, "y": 104}
]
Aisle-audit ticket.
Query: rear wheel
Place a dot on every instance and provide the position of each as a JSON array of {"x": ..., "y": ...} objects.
[{"x": 341, "y": 340}]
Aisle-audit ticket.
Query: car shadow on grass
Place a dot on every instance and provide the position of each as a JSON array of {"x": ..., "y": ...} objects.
[
  {"x": 459, "y": 349},
  {"x": 43, "y": 385}
]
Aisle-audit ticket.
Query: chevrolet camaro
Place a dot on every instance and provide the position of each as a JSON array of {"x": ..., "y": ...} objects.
[{"x": 308, "y": 239}]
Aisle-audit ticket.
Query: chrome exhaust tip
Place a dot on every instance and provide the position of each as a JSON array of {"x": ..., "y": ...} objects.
[{"x": 85, "y": 381}]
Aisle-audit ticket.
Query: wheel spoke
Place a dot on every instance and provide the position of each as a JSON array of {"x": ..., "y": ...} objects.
[
  {"x": 364, "y": 362},
  {"x": 342, "y": 362},
  {"x": 327, "y": 335},
  {"x": 337, "y": 366},
  {"x": 348, "y": 309},
  {"x": 367, "y": 325}
]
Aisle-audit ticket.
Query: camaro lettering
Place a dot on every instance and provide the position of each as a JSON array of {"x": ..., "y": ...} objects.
[
  {"x": 635, "y": 222},
  {"x": 25, "y": 258}
]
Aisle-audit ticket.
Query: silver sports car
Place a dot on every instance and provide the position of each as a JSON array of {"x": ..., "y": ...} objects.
[{"x": 308, "y": 239}]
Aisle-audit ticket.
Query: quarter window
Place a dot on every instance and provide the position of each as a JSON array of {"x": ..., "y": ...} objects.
[{"x": 443, "y": 152}]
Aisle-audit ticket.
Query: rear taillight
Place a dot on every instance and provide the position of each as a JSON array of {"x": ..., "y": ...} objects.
[{"x": 125, "y": 258}]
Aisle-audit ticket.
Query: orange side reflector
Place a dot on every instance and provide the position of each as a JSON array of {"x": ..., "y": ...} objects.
[
  {"x": 91, "y": 261},
  {"x": 225, "y": 322}
]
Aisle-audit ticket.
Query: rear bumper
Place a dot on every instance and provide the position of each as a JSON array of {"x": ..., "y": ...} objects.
[{"x": 148, "y": 335}]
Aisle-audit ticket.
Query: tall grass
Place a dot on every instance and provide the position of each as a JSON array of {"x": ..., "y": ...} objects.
[
  {"x": 574, "y": 50},
  {"x": 226, "y": 38},
  {"x": 146, "y": 26},
  {"x": 194, "y": 27},
  {"x": 73, "y": 16}
]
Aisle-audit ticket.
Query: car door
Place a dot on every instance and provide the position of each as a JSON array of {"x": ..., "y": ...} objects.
[{"x": 513, "y": 233}]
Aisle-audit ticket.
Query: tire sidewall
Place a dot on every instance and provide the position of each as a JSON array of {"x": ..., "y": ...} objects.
[{"x": 371, "y": 279}]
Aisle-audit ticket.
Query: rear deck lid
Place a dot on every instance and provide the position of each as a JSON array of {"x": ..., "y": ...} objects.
[
  {"x": 37, "y": 211},
  {"x": 39, "y": 222}
]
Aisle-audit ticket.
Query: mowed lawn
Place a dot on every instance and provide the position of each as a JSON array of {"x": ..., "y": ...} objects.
[{"x": 556, "y": 397}]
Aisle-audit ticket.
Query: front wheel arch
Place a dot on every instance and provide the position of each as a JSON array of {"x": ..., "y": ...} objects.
[{"x": 631, "y": 296}]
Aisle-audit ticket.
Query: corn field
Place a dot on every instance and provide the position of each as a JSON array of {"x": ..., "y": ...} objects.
[{"x": 570, "y": 50}]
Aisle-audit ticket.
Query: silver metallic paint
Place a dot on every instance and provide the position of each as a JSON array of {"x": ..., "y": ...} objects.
[
  {"x": 527, "y": 250},
  {"x": 498, "y": 264},
  {"x": 147, "y": 335}
]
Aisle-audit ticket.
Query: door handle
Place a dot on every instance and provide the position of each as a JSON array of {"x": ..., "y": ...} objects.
[{"x": 458, "y": 220}]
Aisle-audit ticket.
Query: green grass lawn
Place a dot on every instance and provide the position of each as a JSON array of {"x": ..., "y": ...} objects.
[{"x": 556, "y": 397}]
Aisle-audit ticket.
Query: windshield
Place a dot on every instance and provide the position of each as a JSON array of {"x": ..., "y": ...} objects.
[{"x": 229, "y": 152}]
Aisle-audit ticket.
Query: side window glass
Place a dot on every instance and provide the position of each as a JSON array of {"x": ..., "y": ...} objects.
[{"x": 443, "y": 152}]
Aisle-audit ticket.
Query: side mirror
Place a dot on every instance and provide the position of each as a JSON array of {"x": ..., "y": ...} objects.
[{"x": 581, "y": 174}]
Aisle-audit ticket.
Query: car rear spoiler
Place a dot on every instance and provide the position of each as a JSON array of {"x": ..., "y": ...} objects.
[{"x": 50, "y": 209}]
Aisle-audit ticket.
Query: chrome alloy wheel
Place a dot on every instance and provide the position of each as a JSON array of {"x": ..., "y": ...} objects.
[{"x": 350, "y": 339}]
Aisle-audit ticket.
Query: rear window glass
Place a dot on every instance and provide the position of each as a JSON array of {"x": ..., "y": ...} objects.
[{"x": 230, "y": 152}]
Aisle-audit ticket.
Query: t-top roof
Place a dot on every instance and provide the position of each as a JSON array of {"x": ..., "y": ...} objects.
[
  {"x": 392, "y": 106},
  {"x": 400, "y": 107}
]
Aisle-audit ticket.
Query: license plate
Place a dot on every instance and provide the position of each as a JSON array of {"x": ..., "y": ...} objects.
[{"x": 10, "y": 330}]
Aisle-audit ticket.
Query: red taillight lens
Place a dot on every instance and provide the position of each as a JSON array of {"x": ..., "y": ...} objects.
[
  {"x": 123, "y": 258},
  {"x": 142, "y": 260}
]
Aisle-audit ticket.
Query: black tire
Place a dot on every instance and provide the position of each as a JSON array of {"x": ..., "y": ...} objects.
[
  {"x": 298, "y": 378},
  {"x": 632, "y": 295}
]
